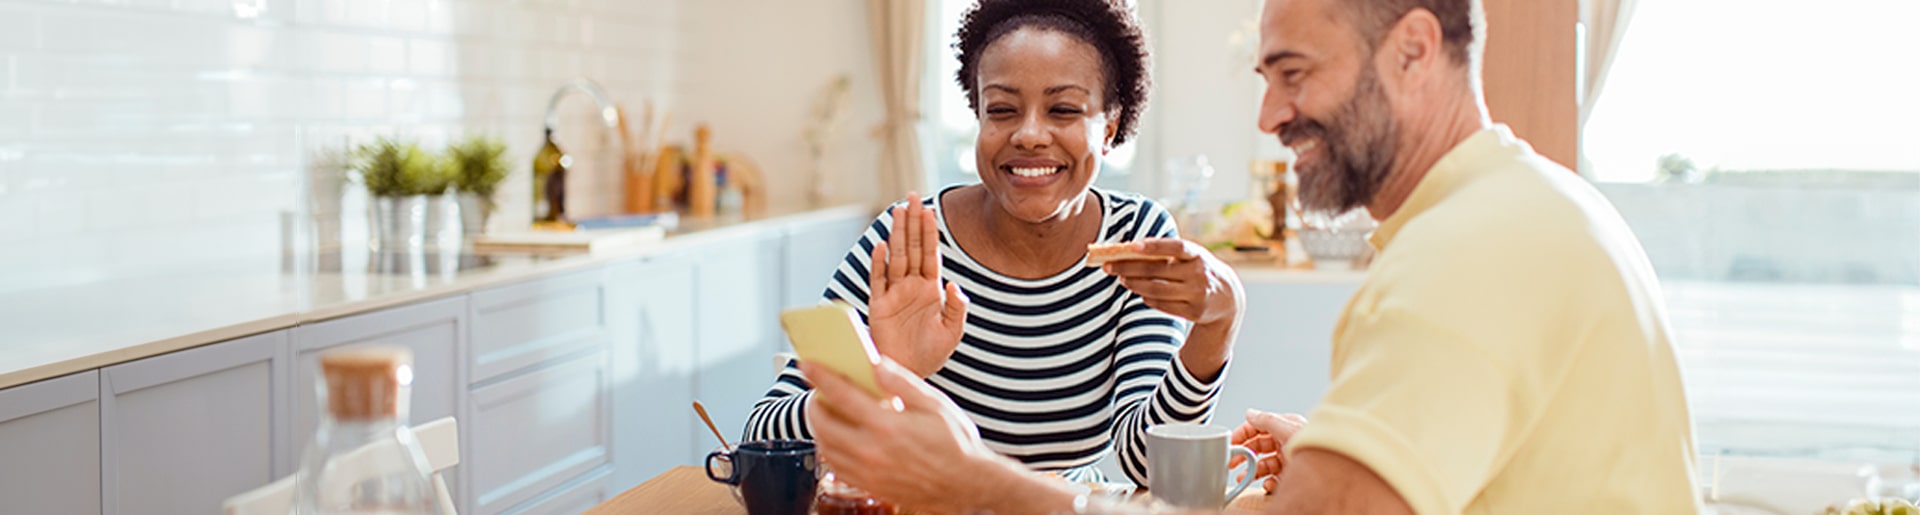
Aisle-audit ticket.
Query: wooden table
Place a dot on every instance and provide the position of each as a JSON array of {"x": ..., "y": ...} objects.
[
  {"x": 681, "y": 490},
  {"x": 686, "y": 490}
]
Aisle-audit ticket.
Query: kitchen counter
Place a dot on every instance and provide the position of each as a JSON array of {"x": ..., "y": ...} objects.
[{"x": 49, "y": 333}]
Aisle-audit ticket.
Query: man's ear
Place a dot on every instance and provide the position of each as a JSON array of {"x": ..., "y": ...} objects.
[{"x": 1416, "y": 42}]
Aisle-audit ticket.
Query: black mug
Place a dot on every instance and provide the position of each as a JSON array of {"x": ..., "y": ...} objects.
[{"x": 771, "y": 477}]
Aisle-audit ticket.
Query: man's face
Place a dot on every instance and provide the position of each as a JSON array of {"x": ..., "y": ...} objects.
[{"x": 1324, "y": 100}]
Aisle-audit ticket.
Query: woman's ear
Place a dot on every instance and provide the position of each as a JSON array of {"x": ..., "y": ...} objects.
[{"x": 1113, "y": 131}]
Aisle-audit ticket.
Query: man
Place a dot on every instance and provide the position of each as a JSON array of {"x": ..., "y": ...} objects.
[{"x": 1508, "y": 352}]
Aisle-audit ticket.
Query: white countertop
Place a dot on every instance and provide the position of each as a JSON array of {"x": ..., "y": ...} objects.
[{"x": 54, "y": 332}]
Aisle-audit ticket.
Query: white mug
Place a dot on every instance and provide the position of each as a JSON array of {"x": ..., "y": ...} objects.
[{"x": 1187, "y": 465}]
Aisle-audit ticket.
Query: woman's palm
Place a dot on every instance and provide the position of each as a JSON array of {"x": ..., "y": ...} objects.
[{"x": 911, "y": 317}]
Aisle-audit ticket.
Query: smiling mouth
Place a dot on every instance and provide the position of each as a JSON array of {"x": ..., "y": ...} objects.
[
  {"x": 1304, "y": 146},
  {"x": 1035, "y": 171}
]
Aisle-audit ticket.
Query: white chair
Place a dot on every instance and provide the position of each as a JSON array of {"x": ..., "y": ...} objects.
[{"x": 439, "y": 440}]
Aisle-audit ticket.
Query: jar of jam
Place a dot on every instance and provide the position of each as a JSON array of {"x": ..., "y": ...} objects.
[{"x": 837, "y": 498}]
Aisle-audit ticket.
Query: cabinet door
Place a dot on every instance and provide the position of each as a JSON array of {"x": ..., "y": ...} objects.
[
  {"x": 433, "y": 330},
  {"x": 738, "y": 292},
  {"x": 521, "y": 325},
  {"x": 814, "y": 251},
  {"x": 50, "y": 441},
  {"x": 575, "y": 497},
  {"x": 534, "y": 432},
  {"x": 181, "y": 432},
  {"x": 1281, "y": 360},
  {"x": 652, "y": 323}
]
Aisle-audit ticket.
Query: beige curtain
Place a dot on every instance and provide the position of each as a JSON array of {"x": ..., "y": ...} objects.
[
  {"x": 1606, "y": 22},
  {"x": 898, "y": 30}
]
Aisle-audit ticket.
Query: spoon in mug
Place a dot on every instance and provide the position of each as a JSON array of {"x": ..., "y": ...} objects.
[{"x": 702, "y": 410}]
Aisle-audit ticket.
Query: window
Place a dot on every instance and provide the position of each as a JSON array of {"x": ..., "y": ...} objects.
[
  {"x": 1745, "y": 85},
  {"x": 949, "y": 136},
  {"x": 1791, "y": 259}
]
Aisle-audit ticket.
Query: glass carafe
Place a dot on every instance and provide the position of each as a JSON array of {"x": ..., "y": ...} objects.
[{"x": 363, "y": 459}]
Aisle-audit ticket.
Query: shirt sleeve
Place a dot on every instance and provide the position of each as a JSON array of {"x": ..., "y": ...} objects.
[
  {"x": 780, "y": 413},
  {"x": 1419, "y": 404},
  {"x": 1152, "y": 384}
]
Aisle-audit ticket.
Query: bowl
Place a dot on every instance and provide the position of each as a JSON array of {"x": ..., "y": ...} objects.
[{"x": 1333, "y": 245}]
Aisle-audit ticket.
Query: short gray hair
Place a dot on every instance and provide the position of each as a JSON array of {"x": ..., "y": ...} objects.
[{"x": 1462, "y": 22}]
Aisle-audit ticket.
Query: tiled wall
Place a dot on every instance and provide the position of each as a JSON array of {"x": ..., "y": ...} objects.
[{"x": 138, "y": 135}]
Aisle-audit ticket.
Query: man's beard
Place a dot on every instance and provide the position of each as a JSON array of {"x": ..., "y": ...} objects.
[{"x": 1356, "y": 150}]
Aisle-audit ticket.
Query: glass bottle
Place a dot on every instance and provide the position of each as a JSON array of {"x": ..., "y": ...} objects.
[
  {"x": 550, "y": 182},
  {"x": 363, "y": 459}
]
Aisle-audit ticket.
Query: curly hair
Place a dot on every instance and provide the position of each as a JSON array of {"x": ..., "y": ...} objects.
[{"x": 1108, "y": 25}]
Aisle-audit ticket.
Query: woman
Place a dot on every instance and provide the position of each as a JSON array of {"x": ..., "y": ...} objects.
[{"x": 1055, "y": 362}]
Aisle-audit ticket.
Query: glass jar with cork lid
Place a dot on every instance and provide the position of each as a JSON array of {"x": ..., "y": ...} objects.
[{"x": 363, "y": 459}]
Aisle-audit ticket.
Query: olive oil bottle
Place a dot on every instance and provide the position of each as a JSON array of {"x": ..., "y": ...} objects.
[{"x": 550, "y": 183}]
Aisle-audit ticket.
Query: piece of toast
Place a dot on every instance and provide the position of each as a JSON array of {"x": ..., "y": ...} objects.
[{"x": 1099, "y": 254}]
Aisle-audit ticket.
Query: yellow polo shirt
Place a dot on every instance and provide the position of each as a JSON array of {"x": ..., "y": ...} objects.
[{"x": 1508, "y": 352}]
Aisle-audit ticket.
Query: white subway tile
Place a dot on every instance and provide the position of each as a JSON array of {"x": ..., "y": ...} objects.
[
  {"x": 439, "y": 17},
  {"x": 143, "y": 123},
  {"x": 244, "y": 195},
  {"x": 475, "y": 19},
  {"x": 207, "y": 7},
  {"x": 60, "y": 214},
  {"x": 405, "y": 103},
  {"x": 253, "y": 47},
  {"x": 16, "y": 218},
  {"x": 331, "y": 52},
  {"x": 444, "y": 101},
  {"x": 407, "y": 15},
  {"x": 388, "y": 55},
  {"x": 365, "y": 98},
  {"x": 188, "y": 40},
  {"x": 154, "y": 205},
  {"x": 430, "y": 58},
  {"x": 370, "y": 14},
  {"x": 19, "y": 30}
]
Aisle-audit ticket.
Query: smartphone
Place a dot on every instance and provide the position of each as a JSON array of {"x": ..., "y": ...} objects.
[{"x": 830, "y": 335}]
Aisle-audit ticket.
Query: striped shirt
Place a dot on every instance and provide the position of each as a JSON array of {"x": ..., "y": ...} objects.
[{"x": 1056, "y": 372}]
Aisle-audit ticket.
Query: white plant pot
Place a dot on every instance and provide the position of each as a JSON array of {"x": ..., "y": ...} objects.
[
  {"x": 399, "y": 223},
  {"x": 473, "y": 213}
]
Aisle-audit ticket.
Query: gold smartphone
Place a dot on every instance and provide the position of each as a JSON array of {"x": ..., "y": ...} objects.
[{"x": 830, "y": 335}]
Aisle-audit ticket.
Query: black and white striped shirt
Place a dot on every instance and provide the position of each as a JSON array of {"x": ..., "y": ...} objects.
[{"x": 1054, "y": 371}]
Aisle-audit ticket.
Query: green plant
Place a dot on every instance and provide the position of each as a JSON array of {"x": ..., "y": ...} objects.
[
  {"x": 394, "y": 168},
  {"x": 478, "y": 164}
]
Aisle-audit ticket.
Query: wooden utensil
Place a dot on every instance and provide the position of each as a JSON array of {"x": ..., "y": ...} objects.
[{"x": 702, "y": 410}]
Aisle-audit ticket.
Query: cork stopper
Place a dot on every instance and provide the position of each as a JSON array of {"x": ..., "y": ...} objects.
[{"x": 366, "y": 382}]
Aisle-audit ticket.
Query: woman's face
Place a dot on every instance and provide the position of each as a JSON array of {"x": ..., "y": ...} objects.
[{"x": 1042, "y": 126}]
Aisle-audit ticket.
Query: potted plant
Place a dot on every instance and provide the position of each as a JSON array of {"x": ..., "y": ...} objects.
[
  {"x": 400, "y": 178},
  {"x": 477, "y": 165}
]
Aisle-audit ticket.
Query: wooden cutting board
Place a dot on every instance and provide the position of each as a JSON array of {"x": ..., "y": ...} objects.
[{"x": 568, "y": 241}]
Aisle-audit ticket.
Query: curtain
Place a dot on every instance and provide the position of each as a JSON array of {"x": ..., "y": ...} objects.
[
  {"x": 1606, "y": 22},
  {"x": 898, "y": 30}
]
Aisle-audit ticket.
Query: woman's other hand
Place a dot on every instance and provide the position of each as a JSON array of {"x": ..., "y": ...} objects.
[
  {"x": 1194, "y": 285},
  {"x": 909, "y": 316}
]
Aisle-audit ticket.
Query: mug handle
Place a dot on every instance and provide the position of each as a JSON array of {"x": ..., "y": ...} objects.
[
  {"x": 732, "y": 473},
  {"x": 1246, "y": 478}
]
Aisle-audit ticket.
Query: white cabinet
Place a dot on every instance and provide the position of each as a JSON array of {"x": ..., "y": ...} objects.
[
  {"x": 574, "y": 497},
  {"x": 526, "y": 323},
  {"x": 1282, "y": 359},
  {"x": 813, "y": 252},
  {"x": 534, "y": 432},
  {"x": 433, "y": 330},
  {"x": 183, "y": 431},
  {"x": 539, "y": 413},
  {"x": 737, "y": 297},
  {"x": 50, "y": 446},
  {"x": 651, "y": 316}
]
